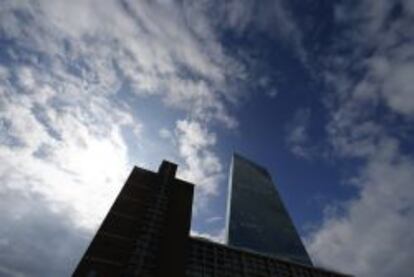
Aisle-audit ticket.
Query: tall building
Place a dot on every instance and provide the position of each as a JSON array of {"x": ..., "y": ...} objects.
[
  {"x": 256, "y": 217},
  {"x": 147, "y": 233}
]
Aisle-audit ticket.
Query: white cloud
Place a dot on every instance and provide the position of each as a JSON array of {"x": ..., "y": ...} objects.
[
  {"x": 398, "y": 88},
  {"x": 197, "y": 159},
  {"x": 214, "y": 219},
  {"x": 149, "y": 44},
  {"x": 388, "y": 68},
  {"x": 375, "y": 234},
  {"x": 297, "y": 137},
  {"x": 272, "y": 18},
  {"x": 66, "y": 67},
  {"x": 165, "y": 133},
  {"x": 272, "y": 93},
  {"x": 29, "y": 230},
  {"x": 64, "y": 153},
  {"x": 202, "y": 165},
  {"x": 58, "y": 106},
  {"x": 372, "y": 233}
]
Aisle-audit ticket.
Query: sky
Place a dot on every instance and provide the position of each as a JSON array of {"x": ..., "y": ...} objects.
[{"x": 321, "y": 93}]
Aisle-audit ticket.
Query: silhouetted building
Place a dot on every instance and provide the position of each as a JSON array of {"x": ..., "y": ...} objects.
[
  {"x": 256, "y": 216},
  {"x": 146, "y": 230},
  {"x": 147, "y": 233}
]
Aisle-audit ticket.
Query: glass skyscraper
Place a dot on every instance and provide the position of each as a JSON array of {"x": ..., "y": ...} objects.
[{"x": 256, "y": 217}]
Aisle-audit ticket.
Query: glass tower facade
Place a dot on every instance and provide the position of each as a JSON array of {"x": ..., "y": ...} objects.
[{"x": 256, "y": 217}]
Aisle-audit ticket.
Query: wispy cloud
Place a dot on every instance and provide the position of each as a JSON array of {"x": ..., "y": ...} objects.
[
  {"x": 373, "y": 95},
  {"x": 214, "y": 219},
  {"x": 64, "y": 69},
  {"x": 297, "y": 137},
  {"x": 374, "y": 234},
  {"x": 70, "y": 74},
  {"x": 274, "y": 19},
  {"x": 202, "y": 165}
]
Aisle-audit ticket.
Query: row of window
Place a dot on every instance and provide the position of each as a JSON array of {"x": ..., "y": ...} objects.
[
  {"x": 147, "y": 243},
  {"x": 211, "y": 259}
]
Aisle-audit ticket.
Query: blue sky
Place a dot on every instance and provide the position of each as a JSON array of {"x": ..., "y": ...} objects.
[{"x": 318, "y": 92}]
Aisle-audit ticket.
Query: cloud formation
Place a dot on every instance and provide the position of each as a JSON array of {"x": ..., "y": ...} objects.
[
  {"x": 297, "y": 137},
  {"x": 35, "y": 239},
  {"x": 64, "y": 72},
  {"x": 70, "y": 75},
  {"x": 371, "y": 234},
  {"x": 202, "y": 165},
  {"x": 373, "y": 231}
]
